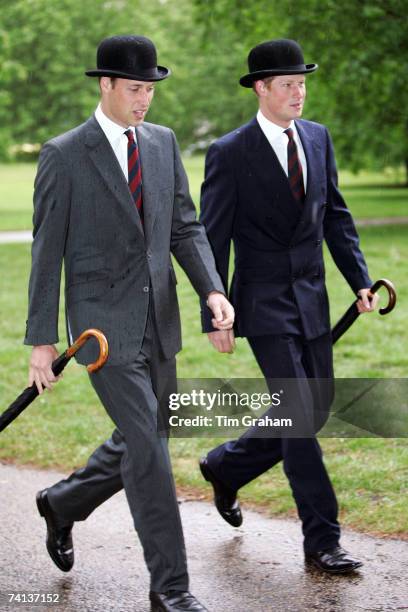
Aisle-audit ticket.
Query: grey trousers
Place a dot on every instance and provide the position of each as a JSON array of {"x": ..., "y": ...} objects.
[{"x": 135, "y": 457}]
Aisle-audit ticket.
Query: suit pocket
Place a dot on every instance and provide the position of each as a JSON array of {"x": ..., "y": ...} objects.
[
  {"x": 88, "y": 269},
  {"x": 94, "y": 289}
]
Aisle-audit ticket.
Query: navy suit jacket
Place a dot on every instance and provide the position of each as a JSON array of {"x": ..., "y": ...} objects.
[{"x": 278, "y": 284}]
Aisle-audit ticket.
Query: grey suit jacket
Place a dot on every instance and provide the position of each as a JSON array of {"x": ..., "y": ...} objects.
[{"x": 84, "y": 216}]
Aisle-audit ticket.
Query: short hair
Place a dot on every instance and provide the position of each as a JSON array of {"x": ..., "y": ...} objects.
[
  {"x": 113, "y": 79},
  {"x": 266, "y": 80}
]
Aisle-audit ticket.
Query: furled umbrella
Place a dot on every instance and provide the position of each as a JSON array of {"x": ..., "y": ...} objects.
[
  {"x": 30, "y": 393},
  {"x": 352, "y": 312}
]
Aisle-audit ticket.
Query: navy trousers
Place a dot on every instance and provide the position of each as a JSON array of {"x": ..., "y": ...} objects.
[{"x": 240, "y": 461}]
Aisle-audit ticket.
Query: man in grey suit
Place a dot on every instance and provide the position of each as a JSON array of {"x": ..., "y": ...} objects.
[{"x": 111, "y": 202}]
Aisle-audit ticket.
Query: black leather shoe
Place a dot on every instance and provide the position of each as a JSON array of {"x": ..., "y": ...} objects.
[
  {"x": 175, "y": 601},
  {"x": 335, "y": 560},
  {"x": 59, "y": 537},
  {"x": 225, "y": 499}
]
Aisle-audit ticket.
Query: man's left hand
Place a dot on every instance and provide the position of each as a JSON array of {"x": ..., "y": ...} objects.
[
  {"x": 367, "y": 301},
  {"x": 222, "y": 310}
]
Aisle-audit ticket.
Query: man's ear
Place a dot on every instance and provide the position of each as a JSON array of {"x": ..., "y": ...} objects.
[
  {"x": 105, "y": 83},
  {"x": 259, "y": 87}
]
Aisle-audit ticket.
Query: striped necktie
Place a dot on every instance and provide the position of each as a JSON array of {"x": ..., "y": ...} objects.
[
  {"x": 295, "y": 174},
  {"x": 134, "y": 172}
]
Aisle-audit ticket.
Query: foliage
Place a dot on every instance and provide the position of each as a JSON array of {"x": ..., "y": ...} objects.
[
  {"x": 359, "y": 90},
  {"x": 46, "y": 46}
]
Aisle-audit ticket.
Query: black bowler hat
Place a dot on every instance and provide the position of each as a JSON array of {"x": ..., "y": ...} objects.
[
  {"x": 274, "y": 57},
  {"x": 128, "y": 57}
]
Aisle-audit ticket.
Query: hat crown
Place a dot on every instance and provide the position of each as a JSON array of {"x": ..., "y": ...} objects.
[
  {"x": 275, "y": 54},
  {"x": 128, "y": 57},
  {"x": 126, "y": 53}
]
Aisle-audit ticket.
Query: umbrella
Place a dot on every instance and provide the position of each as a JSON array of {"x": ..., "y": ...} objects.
[
  {"x": 30, "y": 393},
  {"x": 352, "y": 313}
]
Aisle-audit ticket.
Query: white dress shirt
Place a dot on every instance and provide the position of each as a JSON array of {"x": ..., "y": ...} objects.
[
  {"x": 279, "y": 143},
  {"x": 118, "y": 140}
]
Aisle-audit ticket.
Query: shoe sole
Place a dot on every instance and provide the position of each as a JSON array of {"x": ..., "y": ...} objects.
[
  {"x": 312, "y": 562},
  {"x": 40, "y": 507}
]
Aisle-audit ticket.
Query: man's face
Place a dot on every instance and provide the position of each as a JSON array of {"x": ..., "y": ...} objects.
[
  {"x": 125, "y": 101},
  {"x": 282, "y": 98}
]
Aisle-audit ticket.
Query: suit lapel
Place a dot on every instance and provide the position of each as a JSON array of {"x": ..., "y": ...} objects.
[
  {"x": 149, "y": 154},
  {"x": 106, "y": 163}
]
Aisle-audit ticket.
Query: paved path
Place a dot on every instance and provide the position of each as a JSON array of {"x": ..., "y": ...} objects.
[
  {"x": 26, "y": 236},
  {"x": 256, "y": 568},
  {"x": 13, "y": 237}
]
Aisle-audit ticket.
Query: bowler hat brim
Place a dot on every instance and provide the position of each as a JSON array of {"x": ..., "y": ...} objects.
[
  {"x": 248, "y": 79},
  {"x": 158, "y": 74}
]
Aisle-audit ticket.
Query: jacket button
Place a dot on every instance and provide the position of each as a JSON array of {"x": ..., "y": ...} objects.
[
  {"x": 318, "y": 242},
  {"x": 145, "y": 289},
  {"x": 149, "y": 254}
]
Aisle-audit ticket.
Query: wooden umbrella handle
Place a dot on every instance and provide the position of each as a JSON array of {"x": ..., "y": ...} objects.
[
  {"x": 392, "y": 296},
  {"x": 103, "y": 347}
]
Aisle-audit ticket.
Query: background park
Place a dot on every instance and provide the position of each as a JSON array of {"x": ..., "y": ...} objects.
[{"x": 359, "y": 92}]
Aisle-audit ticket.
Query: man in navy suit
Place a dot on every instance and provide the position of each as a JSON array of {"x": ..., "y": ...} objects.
[{"x": 271, "y": 188}]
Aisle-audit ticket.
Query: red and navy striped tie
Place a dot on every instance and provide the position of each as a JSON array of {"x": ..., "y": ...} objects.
[
  {"x": 295, "y": 174},
  {"x": 134, "y": 172}
]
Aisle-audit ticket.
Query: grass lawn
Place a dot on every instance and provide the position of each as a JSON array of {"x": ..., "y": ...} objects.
[
  {"x": 370, "y": 474},
  {"x": 368, "y": 194}
]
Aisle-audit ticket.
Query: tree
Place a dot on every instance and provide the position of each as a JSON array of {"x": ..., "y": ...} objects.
[
  {"x": 44, "y": 46},
  {"x": 360, "y": 46}
]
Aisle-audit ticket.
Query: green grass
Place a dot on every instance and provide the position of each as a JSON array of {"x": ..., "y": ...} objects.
[
  {"x": 16, "y": 196},
  {"x": 63, "y": 427},
  {"x": 368, "y": 194}
]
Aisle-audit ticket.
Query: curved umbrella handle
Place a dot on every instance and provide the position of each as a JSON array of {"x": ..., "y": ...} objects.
[
  {"x": 352, "y": 312},
  {"x": 103, "y": 347},
  {"x": 392, "y": 296},
  {"x": 28, "y": 395}
]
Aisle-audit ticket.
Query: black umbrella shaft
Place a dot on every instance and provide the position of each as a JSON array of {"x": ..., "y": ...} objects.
[
  {"x": 29, "y": 394},
  {"x": 345, "y": 322}
]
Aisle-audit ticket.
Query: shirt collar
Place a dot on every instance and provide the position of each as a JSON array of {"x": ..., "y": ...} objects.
[
  {"x": 113, "y": 131},
  {"x": 272, "y": 130}
]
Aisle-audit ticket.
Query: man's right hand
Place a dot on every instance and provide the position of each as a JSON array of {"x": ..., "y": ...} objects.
[
  {"x": 40, "y": 371},
  {"x": 223, "y": 341}
]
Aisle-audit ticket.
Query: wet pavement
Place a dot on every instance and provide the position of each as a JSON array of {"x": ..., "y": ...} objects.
[{"x": 256, "y": 568}]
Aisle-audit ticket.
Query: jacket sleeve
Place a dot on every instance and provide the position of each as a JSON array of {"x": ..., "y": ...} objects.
[
  {"x": 189, "y": 243},
  {"x": 340, "y": 232},
  {"x": 218, "y": 204},
  {"x": 50, "y": 221}
]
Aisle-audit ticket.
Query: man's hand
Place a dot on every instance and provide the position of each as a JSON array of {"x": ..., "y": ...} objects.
[
  {"x": 222, "y": 310},
  {"x": 223, "y": 341},
  {"x": 40, "y": 371},
  {"x": 365, "y": 304}
]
